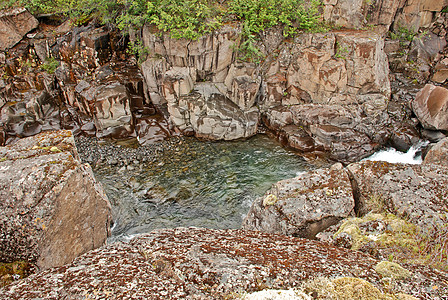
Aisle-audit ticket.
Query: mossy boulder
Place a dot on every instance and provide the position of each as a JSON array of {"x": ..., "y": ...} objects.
[{"x": 392, "y": 270}]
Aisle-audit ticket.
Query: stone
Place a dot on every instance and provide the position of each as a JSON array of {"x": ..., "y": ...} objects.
[
  {"x": 414, "y": 192},
  {"x": 430, "y": 105},
  {"x": 196, "y": 263},
  {"x": 440, "y": 71},
  {"x": 305, "y": 205},
  {"x": 438, "y": 154},
  {"x": 14, "y": 24},
  {"x": 53, "y": 210},
  {"x": 211, "y": 115}
]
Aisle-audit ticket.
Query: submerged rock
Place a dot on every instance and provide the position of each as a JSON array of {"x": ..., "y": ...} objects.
[
  {"x": 53, "y": 209},
  {"x": 192, "y": 263},
  {"x": 305, "y": 205}
]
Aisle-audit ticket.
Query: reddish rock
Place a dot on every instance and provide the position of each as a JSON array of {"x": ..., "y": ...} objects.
[
  {"x": 192, "y": 263},
  {"x": 438, "y": 154},
  {"x": 14, "y": 24},
  {"x": 430, "y": 105}
]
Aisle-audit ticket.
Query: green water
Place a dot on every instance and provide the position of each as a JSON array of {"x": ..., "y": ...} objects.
[{"x": 203, "y": 184}]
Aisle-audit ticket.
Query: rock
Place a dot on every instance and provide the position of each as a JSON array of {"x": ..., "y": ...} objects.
[
  {"x": 305, "y": 205},
  {"x": 14, "y": 24},
  {"x": 53, "y": 210},
  {"x": 438, "y": 154},
  {"x": 415, "y": 192},
  {"x": 392, "y": 270},
  {"x": 195, "y": 263},
  {"x": 440, "y": 71},
  {"x": 277, "y": 295},
  {"x": 430, "y": 106},
  {"x": 210, "y": 114}
]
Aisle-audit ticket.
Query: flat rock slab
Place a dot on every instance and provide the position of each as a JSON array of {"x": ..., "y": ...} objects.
[
  {"x": 416, "y": 192},
  {"x": 304, "y": 205},
  {"x": 193, "y": 263},
  {"x": 53, "y": 210}
]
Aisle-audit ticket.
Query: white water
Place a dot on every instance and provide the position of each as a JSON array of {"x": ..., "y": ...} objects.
[{"x": 413, "y": 156}]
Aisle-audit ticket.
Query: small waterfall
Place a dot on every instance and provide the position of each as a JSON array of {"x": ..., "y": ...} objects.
[{"x": 413, "y": 156}]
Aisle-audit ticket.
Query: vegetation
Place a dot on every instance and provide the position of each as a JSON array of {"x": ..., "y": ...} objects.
[
  {"x": 189, "y": 19},
  {"x": 50, "y": 65}
]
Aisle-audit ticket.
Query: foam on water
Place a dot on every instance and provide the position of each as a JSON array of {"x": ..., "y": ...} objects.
[{"x": 413, "y": 156}]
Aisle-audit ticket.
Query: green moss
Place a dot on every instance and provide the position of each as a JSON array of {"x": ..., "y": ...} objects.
[
  {"x": 392, "y": 270},
  {"x": 355, "y": 288},
  {"x": 350, "y": 226}
]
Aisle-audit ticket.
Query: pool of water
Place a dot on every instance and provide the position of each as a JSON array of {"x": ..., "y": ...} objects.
[{"x": 196, "y": 183}]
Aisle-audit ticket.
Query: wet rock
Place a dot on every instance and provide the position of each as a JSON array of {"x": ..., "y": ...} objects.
[
  {"x": 416, "y": 192},
  {"x": 211, "y": 264},
  {"x": 431, "y": 107},
  {"x": 305, "y": 205},
  {"x": 14, "y": 24},
  {"x": 438, "y": 154},
  {"x": 53, "y": 209}
]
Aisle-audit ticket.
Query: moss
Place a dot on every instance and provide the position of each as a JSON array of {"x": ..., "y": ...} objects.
[
  {"x": 270, "y": 200},
  {"x": 13, "y": 271},
  {"x": 350, "y": 226},
  {"x": 402, "y": 296},
  {"x": 392, "y": 270},
  {"x": 356, "y": 288}
]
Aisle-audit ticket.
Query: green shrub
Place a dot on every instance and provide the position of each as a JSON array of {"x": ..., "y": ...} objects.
[{"x": 50, "y": 65}]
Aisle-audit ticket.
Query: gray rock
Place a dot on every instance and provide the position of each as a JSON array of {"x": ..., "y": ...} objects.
[
  {"x": 53, "y": 210},
  {"x": 305, "y": 205},
  {"x": 438, "y": 154},
  {"x": 415, "y": 192}
]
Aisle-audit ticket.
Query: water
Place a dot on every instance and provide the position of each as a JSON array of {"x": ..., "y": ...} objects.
[
  {"x": 203, "y": 184},
  {"x": 413, "y": 156}
]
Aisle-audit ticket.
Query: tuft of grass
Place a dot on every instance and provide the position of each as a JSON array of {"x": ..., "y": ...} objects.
[{"x": 50, "y": 65}]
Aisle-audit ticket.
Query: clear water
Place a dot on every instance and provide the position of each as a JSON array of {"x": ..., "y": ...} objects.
[
  {"x": 203, "y": 184},
  {"x": 413, "y": 156}
]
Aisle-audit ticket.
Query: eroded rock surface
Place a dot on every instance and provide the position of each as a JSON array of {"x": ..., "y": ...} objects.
[
  {"x": 53, "y": 210},
  {"x": 209, "y": 264},
  {"x": 304, "y": 205}
]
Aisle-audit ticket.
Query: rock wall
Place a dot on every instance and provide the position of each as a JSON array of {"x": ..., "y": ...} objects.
[{"x": 53, "y": 210}]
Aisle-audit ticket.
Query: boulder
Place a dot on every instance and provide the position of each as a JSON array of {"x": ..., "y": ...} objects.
[
  {"x": 438, "y": 154},
  {"x": 430, "y": 105},
  {"x": 14, "y": 24},
  {"x": 193, "y": 263},
  {"x": 304, "y": 205},
  {"x": 210, "y": 114},
  {"x": 415, "y": 192},
  {"x": 53, "y": 210}
]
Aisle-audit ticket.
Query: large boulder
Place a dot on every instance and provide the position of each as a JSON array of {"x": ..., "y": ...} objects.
[
  {"x": 53, "y": 210},
  {"x": 192, "y": 263},
  {"x": 304, "y": 205},
  {"x": 438, "y": 154},
  {"x": 430, "y": 105},
  {"x": 14, "y": 24},
  {"x": 415, "y": 192}
]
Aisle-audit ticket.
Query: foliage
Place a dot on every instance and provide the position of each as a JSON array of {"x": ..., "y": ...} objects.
[
  {"x": 182, "y": 19},
  {"x": 341, "y": 51},
  {"x": 50, "y": 65},
  {"x": 190, "y": 19},
  {"x": 139, "y": 50}
]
